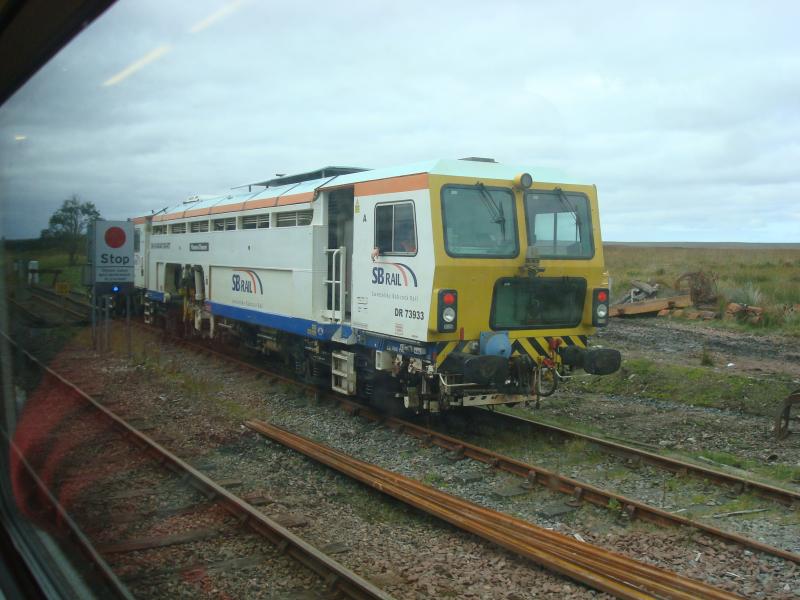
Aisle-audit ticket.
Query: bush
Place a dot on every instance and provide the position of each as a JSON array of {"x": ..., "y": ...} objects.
[{"x": 748, "y": 294}]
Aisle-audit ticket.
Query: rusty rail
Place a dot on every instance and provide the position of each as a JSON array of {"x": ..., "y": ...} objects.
[
  {"x": 596, "y": 567},
  {"x": 26, "y": 311},
  {"x": 337, "y": 577},
  {"x": 578, "y": 490},
  {"x": 741, "y": 484},
  {"x": 535, "y": 474},
  {"x": 36, "y": 293},
  {"x": 103, "y": 569},
  {"x": 82, "y": 303}
]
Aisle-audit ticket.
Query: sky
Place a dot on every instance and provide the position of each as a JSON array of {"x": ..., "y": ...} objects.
[{"x": 685, "y": 115}]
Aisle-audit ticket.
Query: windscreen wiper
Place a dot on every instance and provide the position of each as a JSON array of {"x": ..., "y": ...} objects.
[
  {"x": 565, "y": 202},
  {"x": 495, "y": 209}
]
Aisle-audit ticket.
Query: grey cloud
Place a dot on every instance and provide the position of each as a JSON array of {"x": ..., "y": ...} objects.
[{"x": 659, "y": 105}]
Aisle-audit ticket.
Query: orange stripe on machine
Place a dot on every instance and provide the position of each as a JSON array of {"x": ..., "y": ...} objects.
[{"x": 407, "y": 183}]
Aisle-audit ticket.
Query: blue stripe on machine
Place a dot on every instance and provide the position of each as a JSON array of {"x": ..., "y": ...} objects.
[
  {"x": 304, "y": 327},
  {"x": 320, "y": 331},
  {"x": 157, "y": 296}
]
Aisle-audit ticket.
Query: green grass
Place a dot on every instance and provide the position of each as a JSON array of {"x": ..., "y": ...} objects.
[
  {"x": 53, "y": 258},
  {"x": 742, "y": 502},
  {"x": 432, "y": 479},
  {"x": 696, "y": 386},
  {"x": 765, "y": 277}
]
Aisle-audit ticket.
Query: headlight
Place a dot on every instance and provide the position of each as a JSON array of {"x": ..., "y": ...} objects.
[
  {"x": 448, "y": 315},
  {"x": 602, "y": 311}
]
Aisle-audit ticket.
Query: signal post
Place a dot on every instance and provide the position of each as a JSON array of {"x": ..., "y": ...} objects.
[{"x": 110, "y": 271}]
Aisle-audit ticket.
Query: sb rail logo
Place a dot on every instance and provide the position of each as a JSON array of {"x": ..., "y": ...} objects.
[
  {"x": 247, "y": 282},
  {"x": 399, "y": 275}
]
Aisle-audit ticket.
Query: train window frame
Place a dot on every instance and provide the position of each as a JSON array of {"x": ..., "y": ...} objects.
[
  {"x": 393, "y": 204},
  {"x": 225, "y": 221},
  {"x": 590, "y": 225},
  {"x": 197, "y": 226},
  {"x": 255, "y": 221},
  {"x": 489, "y": 188},
  {"x": 305, "y": 213}
]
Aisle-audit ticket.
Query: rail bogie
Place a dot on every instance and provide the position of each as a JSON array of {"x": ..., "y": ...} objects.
[{"x": 442, "y": 284}]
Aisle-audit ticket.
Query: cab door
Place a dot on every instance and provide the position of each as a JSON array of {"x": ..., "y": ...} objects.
[{"x": 339, "y": 253}]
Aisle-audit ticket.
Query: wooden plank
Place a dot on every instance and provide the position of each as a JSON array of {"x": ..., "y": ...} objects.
[
  {"x": 650, "y": 306},
  {"x": 146, "y": 543},
  {"x": 223, "y": 566},
  {"x": 258, "y": 499}
]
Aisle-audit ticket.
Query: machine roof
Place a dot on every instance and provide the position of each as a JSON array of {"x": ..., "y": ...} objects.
[
  {"x": 301, "y": 186},
  {"x": 307, "y": 176}
]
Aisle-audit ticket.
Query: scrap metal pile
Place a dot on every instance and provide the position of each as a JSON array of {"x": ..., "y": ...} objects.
[{"x": 697, "y": 290}]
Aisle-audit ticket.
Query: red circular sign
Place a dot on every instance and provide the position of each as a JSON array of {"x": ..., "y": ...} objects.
[{"x": 115, "y": 237}]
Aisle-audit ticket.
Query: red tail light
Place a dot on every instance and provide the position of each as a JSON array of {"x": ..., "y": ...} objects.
[
  {"x": 600, "y": 308},
  {"x": 447, "y": 311}
]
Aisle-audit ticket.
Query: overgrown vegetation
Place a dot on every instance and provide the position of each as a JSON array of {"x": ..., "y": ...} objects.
[
  {"x": 67, "y": 226},
  {"x": 765, "y": 277},
  {"x": 698, "y": 386},
  {"x": 49, "y": 258},
  {"x": 62, "y": 246}
]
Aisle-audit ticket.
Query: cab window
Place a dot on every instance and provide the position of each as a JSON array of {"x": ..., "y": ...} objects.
[
  {"x": 559, "y": 224},
  {"x": 479, "y": 221},
  {"x": 395, "y": 228}
]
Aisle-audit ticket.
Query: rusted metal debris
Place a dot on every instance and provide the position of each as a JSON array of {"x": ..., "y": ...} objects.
[
  {"x": 702, "y": 287},
  {"x": 784, "y": 416},
  {"x": 640, "y": 291},
  {"x": 594, "y": 566},
  {"x": 643, "y": 298}
]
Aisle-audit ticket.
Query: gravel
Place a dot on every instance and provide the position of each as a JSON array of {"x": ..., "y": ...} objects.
[
  {"x": 386, "y": 541},
  {"x": 198, "y": 406}
]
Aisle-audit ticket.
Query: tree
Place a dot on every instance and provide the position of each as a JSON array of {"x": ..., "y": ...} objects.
[{"x": 68, "y": 225}]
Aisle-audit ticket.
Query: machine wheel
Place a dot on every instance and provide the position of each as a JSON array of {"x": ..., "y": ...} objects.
[{"x": 784, "y": 416}]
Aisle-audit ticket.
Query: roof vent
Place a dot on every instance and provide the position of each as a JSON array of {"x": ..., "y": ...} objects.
[
  {"x": 309, "y": 176},
  {"x": 479, "y": 159}
]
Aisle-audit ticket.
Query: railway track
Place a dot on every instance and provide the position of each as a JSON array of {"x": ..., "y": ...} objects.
[
  {"x": 736, "y": 483},
  {"x": 77, "y": 301},
  {"x": 27, "y": 312},
  {"x": 63, "y": 305},
  {"x": 596, "y": 567},
  {"x": 533, "y": 474},
  {"x": 70, "y": 423}
]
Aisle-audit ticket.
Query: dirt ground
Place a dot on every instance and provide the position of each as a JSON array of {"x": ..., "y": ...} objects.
[
  {"x": 678, "y": 425},
  {"x": 673, "y": 340}
]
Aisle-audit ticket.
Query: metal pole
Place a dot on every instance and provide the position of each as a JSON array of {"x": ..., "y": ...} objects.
[
  {"x": 105, "y": 324},
  {"x": 94, "y": 317},
  {"x": 128, "y": 324}
]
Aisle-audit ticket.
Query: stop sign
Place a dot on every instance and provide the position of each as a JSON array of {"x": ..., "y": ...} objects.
[
  {"x": 115, "y": 237},
  {"x": 112, "y": 252}
]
